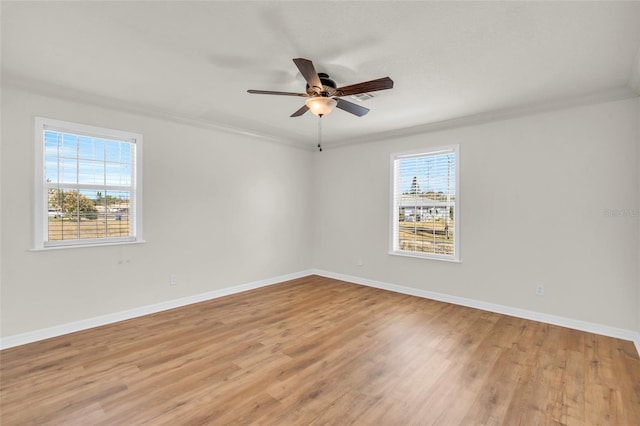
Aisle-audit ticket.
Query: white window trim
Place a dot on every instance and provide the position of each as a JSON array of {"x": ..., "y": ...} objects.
[
  {"x": 40, "y": 192},
  {"x": 393, "y": 228}
]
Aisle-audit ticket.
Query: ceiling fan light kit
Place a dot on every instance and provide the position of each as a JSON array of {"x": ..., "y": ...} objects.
[{"x": 320, "y": 105}]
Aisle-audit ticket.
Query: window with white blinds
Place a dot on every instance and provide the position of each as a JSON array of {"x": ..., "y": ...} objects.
[
  {"x": 88, "y": 185},
  {"x": 424, "y": 202}
]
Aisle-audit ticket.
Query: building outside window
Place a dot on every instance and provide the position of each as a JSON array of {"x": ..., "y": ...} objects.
[{"x": 425, "y": 199}]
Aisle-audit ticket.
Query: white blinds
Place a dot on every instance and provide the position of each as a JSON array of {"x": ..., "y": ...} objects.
[{"x": 425, "y": 203}]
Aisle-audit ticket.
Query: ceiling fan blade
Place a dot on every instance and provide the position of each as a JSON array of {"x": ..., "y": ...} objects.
[
  {"x": 309, "y": 73},
  {"x": 271, "y": 92},
  {"x": 365, "y": 87},
  {"x": 301, "y": 111},
  {"x": 351, "y": 107}
]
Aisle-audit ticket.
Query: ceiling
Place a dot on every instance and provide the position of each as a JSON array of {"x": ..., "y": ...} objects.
[{"x": 452, "y": 62}]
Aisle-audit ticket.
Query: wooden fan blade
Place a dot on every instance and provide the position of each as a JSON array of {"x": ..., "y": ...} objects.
[
  {"x": 309, "y": 73},
  {"x": 271, "y": 92},
  {"x": 365, "y": 87},
  {"x": 351, "y": 107},
  {"x": 301, "y": 111}
]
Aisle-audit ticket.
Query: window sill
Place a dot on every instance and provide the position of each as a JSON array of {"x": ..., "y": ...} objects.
[
  {"x": 77, "y": 246},
  {"x": 424, "y": 256}
]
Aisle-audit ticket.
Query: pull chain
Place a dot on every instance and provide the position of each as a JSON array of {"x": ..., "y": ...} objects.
[{"x": 320, "y": 133}]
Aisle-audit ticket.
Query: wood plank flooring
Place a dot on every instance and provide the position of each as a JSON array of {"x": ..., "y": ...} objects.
[{"x": 317, "y": 351}]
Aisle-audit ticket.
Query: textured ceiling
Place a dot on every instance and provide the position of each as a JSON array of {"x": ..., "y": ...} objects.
[{"x": 451, "y": 61}]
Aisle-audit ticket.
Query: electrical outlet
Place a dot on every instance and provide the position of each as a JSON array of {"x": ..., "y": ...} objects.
[
  {"x": 540, "y": 290},
  {"x": 359, "y": 261},
  {"x": 173, "y": 280}
]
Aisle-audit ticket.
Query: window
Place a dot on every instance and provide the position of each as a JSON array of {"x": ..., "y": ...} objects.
[
  {"x": 425, "y": 204},
  {"x": 88, "y": 185}
]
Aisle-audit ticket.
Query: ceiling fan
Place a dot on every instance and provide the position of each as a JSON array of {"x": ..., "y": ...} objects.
[{"x": 323, "y": 94}]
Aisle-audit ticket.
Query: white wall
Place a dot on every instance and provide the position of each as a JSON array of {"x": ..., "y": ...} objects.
[
  {"x": 219, "y": 210},
  {"x": 638, "y": 207},
  {"x": 533, "y": 195}
]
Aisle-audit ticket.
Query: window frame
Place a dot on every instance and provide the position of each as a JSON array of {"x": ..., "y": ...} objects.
[
  {"x": 41, "y": 216},
  {"x": 394, "y": 216}
]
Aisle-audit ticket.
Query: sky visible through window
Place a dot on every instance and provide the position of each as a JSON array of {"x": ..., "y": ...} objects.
[
  {"x": 434, "y": 173},
  {"x": 83, "y": 160}
]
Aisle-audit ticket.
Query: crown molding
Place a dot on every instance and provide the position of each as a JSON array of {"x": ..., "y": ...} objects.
[
  {"x": 39, "y": 88},
  {"x": 612, "y": 95},
  {"x": 11, "y": 80}
]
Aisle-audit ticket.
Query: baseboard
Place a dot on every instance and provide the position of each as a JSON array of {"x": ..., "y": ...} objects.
[
  {"x": 59, "y": 330},
  {"x": 590, "y": 327}
]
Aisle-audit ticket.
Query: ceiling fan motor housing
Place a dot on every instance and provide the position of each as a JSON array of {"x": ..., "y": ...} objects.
[{"x": 328, "y": 86}]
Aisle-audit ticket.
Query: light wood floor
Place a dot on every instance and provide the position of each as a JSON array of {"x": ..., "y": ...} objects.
[{"x": 317, "y": 351}]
